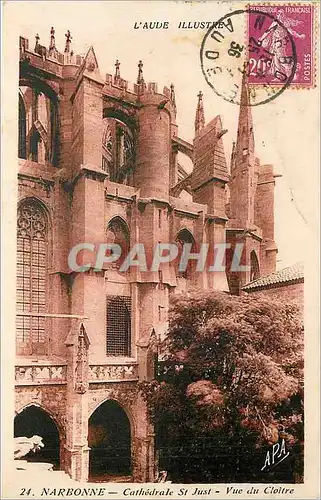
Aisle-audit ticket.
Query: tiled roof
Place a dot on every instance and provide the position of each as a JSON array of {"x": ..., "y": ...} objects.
[{"x": 288, "y": 275}]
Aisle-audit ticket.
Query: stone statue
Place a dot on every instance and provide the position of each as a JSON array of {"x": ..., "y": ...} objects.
[{"x": 22, "y": 445}]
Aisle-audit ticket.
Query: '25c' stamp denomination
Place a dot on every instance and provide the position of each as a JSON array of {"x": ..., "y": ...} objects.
[{"x": 260, "y": 45}]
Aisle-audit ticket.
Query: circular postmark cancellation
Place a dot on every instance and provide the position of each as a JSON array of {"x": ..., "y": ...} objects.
[{"x": 251, "y": 44}]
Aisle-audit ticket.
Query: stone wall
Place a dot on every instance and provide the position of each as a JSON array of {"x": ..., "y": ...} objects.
[{"x": 293, "y": 293}]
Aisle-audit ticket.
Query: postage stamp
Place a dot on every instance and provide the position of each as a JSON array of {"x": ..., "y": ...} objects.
[
  {"x": 273, "y": 46},
  {"x": 229, "y": 52},
  {"x": 273, "y": 40}
]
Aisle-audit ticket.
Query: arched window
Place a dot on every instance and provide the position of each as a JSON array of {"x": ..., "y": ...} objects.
[
  {"x": 185, "y": 237},
  {"x": 118, "y": 151},
  {"x": 255, "y": 267},
  {"x": 117, "y": 232},
  {"x": 118, "y": 334},
  {"x": 32, "y": 266},
  {"x": 38, "y": 125}
]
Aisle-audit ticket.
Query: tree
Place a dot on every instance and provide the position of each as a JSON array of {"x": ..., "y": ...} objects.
[{"x": 229, "y": 386}]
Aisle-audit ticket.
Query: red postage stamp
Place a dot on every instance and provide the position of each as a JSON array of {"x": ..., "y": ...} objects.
[{"x": 281, "y": 44}]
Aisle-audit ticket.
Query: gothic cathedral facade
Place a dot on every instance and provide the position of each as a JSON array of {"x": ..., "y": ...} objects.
[{"x": 98, "y": 162}]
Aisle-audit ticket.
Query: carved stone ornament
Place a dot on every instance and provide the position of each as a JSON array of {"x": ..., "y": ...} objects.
[
  {"x": 23, "y": 445},
  {"x": 81, "y": 372},
  {"x": 91, "y": 66}
]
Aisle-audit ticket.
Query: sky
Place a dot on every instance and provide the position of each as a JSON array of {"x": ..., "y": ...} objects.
[{"x": 285, "y": 129}]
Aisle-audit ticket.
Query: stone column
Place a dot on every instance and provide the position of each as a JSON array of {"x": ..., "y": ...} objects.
[{"x": 76, "y": 451}]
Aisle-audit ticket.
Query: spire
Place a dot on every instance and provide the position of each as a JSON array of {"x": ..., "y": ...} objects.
[
  {"x": 140, "y": 78},
  {"x": 68, "y": 41},
  {"x": 173, "y": 97},
  {"x": 243, "y": 163},
  {"x": 52, "y": 46},
  {"x": 37, "y": 42},
  {"x": 199, "y": 117},
  {"x": 117, "y": 71},
  {"x": 245, "y": 136}
]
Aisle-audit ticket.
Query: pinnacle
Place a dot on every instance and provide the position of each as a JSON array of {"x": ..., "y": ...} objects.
[{"x": 199, "y": 116}]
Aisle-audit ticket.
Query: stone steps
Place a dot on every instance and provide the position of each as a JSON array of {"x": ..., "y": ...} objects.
[{"x": 43, "y": 469}]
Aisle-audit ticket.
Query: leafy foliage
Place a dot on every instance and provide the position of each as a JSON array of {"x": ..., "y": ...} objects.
[{"x": 228, "y": 387}]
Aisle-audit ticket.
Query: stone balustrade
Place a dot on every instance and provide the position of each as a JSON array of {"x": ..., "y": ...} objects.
[
  {"x": 57, "y": 374},
  {"x": 113, "y": 372},
  {"x": 42, "y": 374}
]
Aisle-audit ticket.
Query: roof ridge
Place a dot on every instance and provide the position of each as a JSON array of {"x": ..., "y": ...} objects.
[{"x": 288, "y": 274}]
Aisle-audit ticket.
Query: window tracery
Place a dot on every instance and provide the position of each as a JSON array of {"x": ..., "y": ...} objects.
[
  {"x": 32, "y": 263},
  {"x": 118, "y": 151}
]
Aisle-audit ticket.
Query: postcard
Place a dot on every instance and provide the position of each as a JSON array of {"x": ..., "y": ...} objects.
[{"x": 160, "y": 244}]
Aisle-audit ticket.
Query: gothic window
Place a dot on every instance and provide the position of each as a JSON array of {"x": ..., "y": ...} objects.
[
  {"x": 117, "y": 232},
  {"x": 255, "y": 268},
  {"x": 107, "y": 148},
  {"x": 183, "y": 237},
  {"x": 38, "y": 126},
  {"x": 118, "y": 334},
  {"x": 118, "y": 151},
  {"x": 32, "y": 263},
  {"x": 128, "y": 148}
]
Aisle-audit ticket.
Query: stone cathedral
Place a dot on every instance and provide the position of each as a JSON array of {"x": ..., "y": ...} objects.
[{"x": 99, "y": 162}]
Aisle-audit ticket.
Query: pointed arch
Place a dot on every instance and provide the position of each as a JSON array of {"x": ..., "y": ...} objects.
[
  {"x": 47, "y": 410},
  {"x": 121, "y": 115},
  {"x": 118, "y": 146},
  {"x": 118, "y": 307},
  {"x": 42, "y": 121},
  {"x": 117, "y": 219},
  {"x": 40, "y": 202},
  {"x": 109, "y": 438},
  {"x": 123, "y": 404},
  {"x": 184, "y": 236},
  {"x": 35, "y": 420},
  {"x": 46, "y": 87},
  {"x": 117, "y": 232}
]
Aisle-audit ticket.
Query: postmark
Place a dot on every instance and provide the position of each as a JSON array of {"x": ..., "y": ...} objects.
[
  {"x": 235, "y": 45},
  {"x": 299, "y": 20}
]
